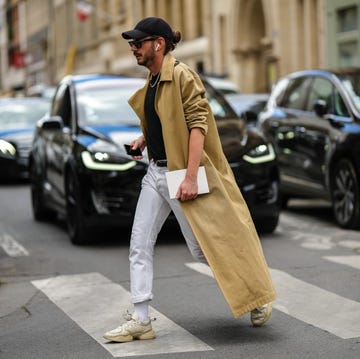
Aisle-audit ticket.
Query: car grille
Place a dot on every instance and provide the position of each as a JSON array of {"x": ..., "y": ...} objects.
[{"x": 115, "y": 195}]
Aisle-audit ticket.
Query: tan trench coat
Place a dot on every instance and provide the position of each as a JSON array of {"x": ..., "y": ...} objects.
[{"x": 220, "y": 220}]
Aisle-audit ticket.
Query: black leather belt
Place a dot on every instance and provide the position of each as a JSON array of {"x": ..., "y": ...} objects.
[{"x": 161, "y": 163}]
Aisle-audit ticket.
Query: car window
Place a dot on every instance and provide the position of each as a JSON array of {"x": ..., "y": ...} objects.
[
  {"x": 351, "y": 83},
  {"x": 296, "y": 94},
  {"x": 323, "y": 89},
  {"x": 340, "y": 108},
  {"x": 277, "y": 93},
  {"x": 216, "y": 107},
  {"x": 219, "y": 106},
  {"x": 62, "y": 105},
  {"x": 58, "y": 99},
  {"x": 108, "y": 105}
]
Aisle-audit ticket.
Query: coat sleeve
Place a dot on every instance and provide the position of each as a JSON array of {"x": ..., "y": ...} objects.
[{"x": 195, "y": 104}]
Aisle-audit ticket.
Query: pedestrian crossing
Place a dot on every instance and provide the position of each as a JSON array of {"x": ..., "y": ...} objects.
[
  {"x": 352, "y": 261},
  {"x": 11, "y": 247},
  {"x": 311, "y": 304},
  {"x": 82, "y": 297}
]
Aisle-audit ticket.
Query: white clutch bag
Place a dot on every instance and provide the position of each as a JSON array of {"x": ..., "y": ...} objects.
[{"x": 174, "y": 179}]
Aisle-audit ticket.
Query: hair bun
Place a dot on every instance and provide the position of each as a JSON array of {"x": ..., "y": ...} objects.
[{"x": 177, "y": 37}]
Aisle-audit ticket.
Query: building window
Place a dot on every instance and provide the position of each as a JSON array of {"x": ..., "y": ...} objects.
[
  {"x": 348, "y": 44},
  {"x": 347, "y": 19},
  {"x": 348, "y": 54}
]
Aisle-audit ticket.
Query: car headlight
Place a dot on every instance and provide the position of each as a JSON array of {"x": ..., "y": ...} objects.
[
  {"x": 104, "y": 161},
  {"x": 260, "y": 154},
  {"x": 7, "y": 149}
]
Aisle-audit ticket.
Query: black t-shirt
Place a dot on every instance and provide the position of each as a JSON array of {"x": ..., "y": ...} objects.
[{"x": 154, "y": 140}]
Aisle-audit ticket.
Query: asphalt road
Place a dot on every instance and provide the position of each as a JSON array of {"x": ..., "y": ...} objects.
[{"x": 57, "y": 299}]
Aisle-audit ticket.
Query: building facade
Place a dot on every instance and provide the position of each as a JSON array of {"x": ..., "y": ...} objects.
[
  {"x": 343, "y": 33},
  {"x": 251, "y": 42},
  {"x": 13, "y": 42}
]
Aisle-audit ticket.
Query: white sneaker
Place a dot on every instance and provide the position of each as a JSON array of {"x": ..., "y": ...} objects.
[
  {"x": 132, "y": 329},
  {"x": 261, "y": 315}
]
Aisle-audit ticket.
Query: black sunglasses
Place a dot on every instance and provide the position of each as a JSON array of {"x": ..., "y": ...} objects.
[{"x": 138, "y": 43}]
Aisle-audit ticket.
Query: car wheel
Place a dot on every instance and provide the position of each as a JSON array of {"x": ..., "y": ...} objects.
[
  {"x": 267, "y": 225},
  {"x": 39, "y": 209},
  {"x": 345, "y": 195},
  {"x": 77, "y": 229}
]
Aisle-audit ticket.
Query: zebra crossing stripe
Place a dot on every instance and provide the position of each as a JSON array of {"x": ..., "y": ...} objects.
[
  {"x": 96, "y": 304},
  {"x": 352, "y": 261},
  {"x": 311, "y": 304},
  {"x": 11, "y": 246}
]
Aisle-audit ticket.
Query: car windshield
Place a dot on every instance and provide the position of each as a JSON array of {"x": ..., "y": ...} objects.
[
  {"x": 106, "y": 105},
  {"x": 351, "y": 83},
  {"x": 220, "y": 108},
  {"x": 15, "y": 114},
  {"x": 248, "y": 102}
]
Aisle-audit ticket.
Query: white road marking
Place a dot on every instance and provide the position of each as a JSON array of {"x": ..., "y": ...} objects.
[
  {"x": 311, "y": 304},
  {"x": 350, "y": 244},
  {"x": 330, "y": 236},
  {"x": 96, "y": 304},
  {"x": 352, "y": 261},
  {"x": 11, "y": 246}
]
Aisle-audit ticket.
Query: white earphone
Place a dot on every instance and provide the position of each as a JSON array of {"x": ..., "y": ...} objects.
[{"x": 157, "y": 47}]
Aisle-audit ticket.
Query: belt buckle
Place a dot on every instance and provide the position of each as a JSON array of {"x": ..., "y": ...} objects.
[{"x": 161, "y": 163}]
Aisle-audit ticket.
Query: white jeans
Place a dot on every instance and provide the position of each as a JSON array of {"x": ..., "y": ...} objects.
[{"x": 153, "y": 207}]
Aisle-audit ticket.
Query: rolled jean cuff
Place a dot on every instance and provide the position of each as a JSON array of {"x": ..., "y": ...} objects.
[{"x": 141, "y": 298}]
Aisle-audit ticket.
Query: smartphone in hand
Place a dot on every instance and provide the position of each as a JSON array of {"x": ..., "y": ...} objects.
[{"x": 131, "y": 152}]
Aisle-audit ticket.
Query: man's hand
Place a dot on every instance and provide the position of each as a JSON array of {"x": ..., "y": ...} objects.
[
  {"x": 138, "y": 143},
  {"x": 188, "y": 190}
]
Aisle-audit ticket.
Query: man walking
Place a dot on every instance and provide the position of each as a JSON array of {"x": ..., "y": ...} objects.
[{"x": 179, "y": 132}]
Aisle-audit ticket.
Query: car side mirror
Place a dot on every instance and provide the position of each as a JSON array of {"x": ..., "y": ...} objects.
[
  {"x": 320, "y": 107},
  {"x": 52, "y": 123}
]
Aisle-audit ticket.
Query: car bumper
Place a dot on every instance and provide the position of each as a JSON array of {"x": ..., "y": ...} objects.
[
  {"x": 14, "y": 168},
  {"x": 259, "y": 185},
  {"x": 109, "y": 198}
]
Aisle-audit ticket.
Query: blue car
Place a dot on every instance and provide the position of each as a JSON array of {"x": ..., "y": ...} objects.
[{"x": 18, "y": 117}]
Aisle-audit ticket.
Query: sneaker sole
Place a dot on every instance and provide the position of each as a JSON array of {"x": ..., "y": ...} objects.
[
  {"x": 267, "y": 317},
  {"x": 128, "y": 338}
]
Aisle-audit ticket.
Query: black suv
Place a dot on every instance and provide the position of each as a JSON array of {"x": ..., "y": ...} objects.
[
  {"x": 313, "y": 120},
  {"x": 80, "y": 170}
]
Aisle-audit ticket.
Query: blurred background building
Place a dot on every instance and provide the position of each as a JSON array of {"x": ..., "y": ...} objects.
[{"x": 250, "y": 42}]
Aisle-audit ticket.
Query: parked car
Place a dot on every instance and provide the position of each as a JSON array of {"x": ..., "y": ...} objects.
[
  {"x": 313, "y": 120},
  {"x": 18, "y": 117},
  {"x": 79, "y": 167},
  {"x": 249, "y": 105},
  {"x": 222, "y": 85}
]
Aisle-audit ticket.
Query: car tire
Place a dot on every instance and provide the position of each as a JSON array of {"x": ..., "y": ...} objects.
[
  {"x": 344, "y": 188},
  {"x": 267, "y": 225},
  {"x": 78, "y": 231},
  {"x": 39, "y": 209}
]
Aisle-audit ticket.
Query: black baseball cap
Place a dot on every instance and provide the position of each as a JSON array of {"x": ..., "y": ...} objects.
[{"x": 150, "y": 26}]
